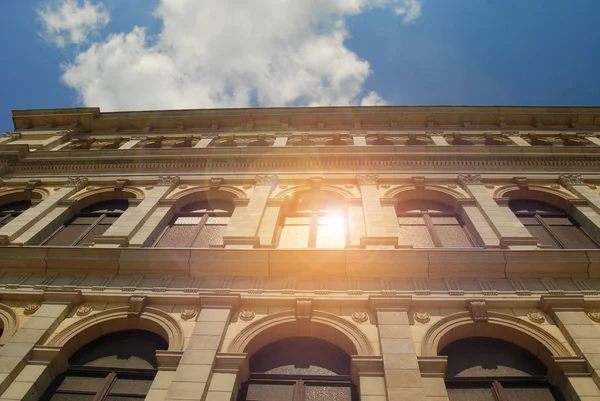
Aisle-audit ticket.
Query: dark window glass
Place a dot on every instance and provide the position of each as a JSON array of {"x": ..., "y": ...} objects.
[
  {"x": 117, "y": 366},
  {"x": 551, "y": 225},
  {"x": 430, "y": 224},
  {"x": 11, "y": 210},
  {"x": 198, "y": 225},
  {"x": 92, "y": 221},
  {"x": 491, "y": 369},
  {"x": 299, "y": 369}
]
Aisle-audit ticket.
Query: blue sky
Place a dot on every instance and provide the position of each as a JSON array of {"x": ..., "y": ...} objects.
[{"x": 161, "y": 54}]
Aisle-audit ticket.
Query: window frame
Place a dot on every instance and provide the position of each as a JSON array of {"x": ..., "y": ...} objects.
[
  {"x": 313, "y": 234},
  {"x": 299, "y": 383},
  {"x": 7, "y": 215},
  {"x": 498, "y": 383}
]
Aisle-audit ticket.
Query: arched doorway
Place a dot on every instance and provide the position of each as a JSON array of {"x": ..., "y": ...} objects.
[{"x": 299, "y": 369}]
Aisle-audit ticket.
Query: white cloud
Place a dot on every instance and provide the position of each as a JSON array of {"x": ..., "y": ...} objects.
[
  {"x": 229, "y": 53},
  {"x": 372, "y": 99},
  {"x": 411, "y": 9},
  {"x": 70, "y": 21}
]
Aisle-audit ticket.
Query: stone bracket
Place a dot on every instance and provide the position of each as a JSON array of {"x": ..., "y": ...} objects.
[
  {"x": 433, "y": 366},
  {"x": 478, "y": 310},
  {"x": 549, "y": 303},
  {"x": 168, "y": 360}
]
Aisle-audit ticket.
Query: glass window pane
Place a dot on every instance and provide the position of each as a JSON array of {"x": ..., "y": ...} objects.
[
  {"x": 210, "y": 235},
  {"x": 97, "y": 230},
  {"x": 331, "y": 236},
  {"x": 67, "y": 235},
  {"x": 528, "y": 394},
  {"x": 131, "y": 386},
  {"x": 178, "y": 236},
  {"x": 444, "y": 220},
  {"x": 573, "y": 237},
  {"x": 453, "y": 237},
  {"x": 529, "y": 221},
  {"x": 329, "y": 393},
  {"x": 82, "y": 383},
  {"x": 270, "y": 392},
  {"x": 558, "y": 221},
  {"x": 417, "y": 236},
  {"x": 71, "y": 397},
  {"x": 84, "y": 220},
  {"x": 544, "y": 237},
  {"x": 294, "y": 237},
  {"x": 471, "y": 394}
]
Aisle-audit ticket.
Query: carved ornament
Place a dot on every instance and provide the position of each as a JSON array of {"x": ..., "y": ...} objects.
[
  {"x": 188, "y": 313},
  {"x": 594, "y": 315},
  {"x": 478, "y": 310},
  {"x": 422, "y": 317},
  {"x": 303, "y": 309},
  {"x": 84, "y": 310},
  {"x": 489, "y": 186},
  {"x": 469, "y": 179},
  {"x": 167, "y": 181},
  {"x": 265, "y": 179},
  {"x": 32, "y": 308},
  {"x": 216, "y": 182},
  {"x": 360, "y": 317},
  {"x": 367, "y": 179},
  {"x": 536, "y": 317},
  {"x": 569, "y": 179},
  {"x": 247, "y": 315},
  {"x": 76, "y": 182},
  {"x": 136, "y": 306}
]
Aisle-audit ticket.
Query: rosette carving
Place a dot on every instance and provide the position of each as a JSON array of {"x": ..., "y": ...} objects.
[
  {"x": 188, "y": 313},
  {"x": 247, "y": 315},
  {"x": 536, "y": 317},
  {"x": 422, "y": 317},
  {"x": 594, "y": 315},
  {"x": 32, "y": 308},
  {"x": 360, "y": 317}
]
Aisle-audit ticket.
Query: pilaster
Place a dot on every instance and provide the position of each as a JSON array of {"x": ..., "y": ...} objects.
[{"x": 375, "y": 223}]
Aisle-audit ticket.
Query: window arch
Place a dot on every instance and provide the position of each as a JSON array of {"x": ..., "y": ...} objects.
[
  {"x": 299, "y": 369},
  {"x": 117, "y": 366},
  {"x": 551, "y": 225},
  {"x": 91, "y": 221},
  {"x": 11, "y": 210},
  {"x": 431, "y": 224},
  {"x": 199, "y": 224},
  {"x": 489, "y": 369},
  {"x": 313, "y": 219}
]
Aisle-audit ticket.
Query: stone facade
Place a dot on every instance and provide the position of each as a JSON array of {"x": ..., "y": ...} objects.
[{"x": 390, "y": 303}]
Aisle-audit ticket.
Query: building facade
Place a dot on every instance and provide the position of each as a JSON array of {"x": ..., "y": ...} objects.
[{"x": 290, "y": 254}]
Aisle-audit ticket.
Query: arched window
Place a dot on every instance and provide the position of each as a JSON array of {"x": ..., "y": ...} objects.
[
  {"x": 299, "y": 369},
  {"x": 198, "y": 225},
  {"x": 11, "y": 210},
  {"x": 117, "y": 366},
  {"x": 430, "y": 224},
  {"x": 551, "y": 225},
  {"x": 313, "y": 219},
  {"x": 488, "y": 369},
  {"x": 84, "y": 226}
]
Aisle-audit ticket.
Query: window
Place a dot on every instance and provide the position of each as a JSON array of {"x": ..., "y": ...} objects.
[
  {"x": 431, "y": 224},
  {"x": 488, "y": 369},
  {"x": 551, "y": 225},
  {"x": 11, "y": 210},
  {"x": 299, "y": 369},
  {"x": 84, "y": 226},
  {"x": 313, "y": 220},
  {"x": 198, "y": 225},
  {"x": 117, "y": 366}
]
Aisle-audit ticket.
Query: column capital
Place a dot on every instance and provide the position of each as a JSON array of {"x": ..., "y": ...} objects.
[
  {"x": 469, "y": 179},
  {"x": 69, "y": 298},
  {"x": 433, "y": 366},
  {"x": 395, "y": 303},
  {"x": 167, "y": 181},
  {"x": 76, "y": 182},
  {"x": 567, "y": 180},
  {"x": 367, "y": 179},
  {"x": 266, "y": 180},
  {"x": 549, "y": 303}
]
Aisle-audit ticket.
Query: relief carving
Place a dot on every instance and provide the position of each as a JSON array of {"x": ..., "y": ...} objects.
[
  {"x": 422, "y": 317},
  {"x": 167, "y": 181},
  {"x": 569, "y": 179},
  {"x": 536, "y": 317},
  {"x": 469, "y": 179},
  {"x": 265, "y": 179},
  {"x": 84, "y": 310},
  {"x": 247, "y": 315},
  {"x": 76, "y": 182},
  {"x": 594, "y": 315},
  {"x": 360, "y": 317},
  {"x": 367, "y": 179},
  {"x": 32, "y": 308},
  {"x": 188, "y": 313}
]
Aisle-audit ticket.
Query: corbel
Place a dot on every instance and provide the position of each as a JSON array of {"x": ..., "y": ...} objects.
[
  {"x": 316, "y": 183},
  {"x": 478, "y": 310},
  {"x": 367, "y": 179},
  {"x": 31, "y": 185},
  {"x": 303, "y": 308},
  {"x": 216, "y": 182},
  {"x": 120, "y": 184},
  {"x": 136, "y": 305},
  {"x": 418, "y": 182},
  {"x": 521, "y": 182}
]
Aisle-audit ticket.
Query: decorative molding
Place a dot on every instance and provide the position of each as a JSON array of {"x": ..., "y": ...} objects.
[
  {"x": 478, "y": 310},
  {"x": 536, "y": 317},
  {"x": 422, "y": 317},
  {"x": 367, "y": 179},
  {"x": 84, "y": 310},
  {"x": 167, "y": 181},
  {"x": 76, "y": 182},
  {"x": 360, "y": 317},
  {"x": 136, "y": 306},
  {"x": 188, "y": 313},
  {"x": 31, "y": 308},
  {"x": 268, "y": 180},
  {"x": 469, "y": 179},
  {"x": 594, "y": 315},
  {"x": 569, "y": 179},
  {"x": 303, "y": 308},
  {"x": 247, "y": 315}
]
